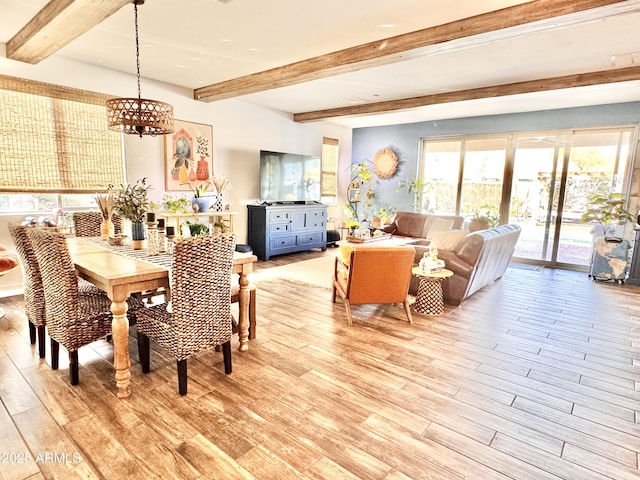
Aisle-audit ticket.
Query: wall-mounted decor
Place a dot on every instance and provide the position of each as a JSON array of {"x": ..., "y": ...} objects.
[
  {"x": 385, "y": 163},
  {"x": 188, "y": 156}
]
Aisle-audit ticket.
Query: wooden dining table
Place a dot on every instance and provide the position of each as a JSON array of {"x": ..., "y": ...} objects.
[{"x": 121, "y": 272}]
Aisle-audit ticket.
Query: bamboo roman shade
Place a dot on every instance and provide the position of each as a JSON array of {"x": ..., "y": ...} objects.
[
  {"x": 329, "y": 181},
  {"x": 55, "y": 139}
]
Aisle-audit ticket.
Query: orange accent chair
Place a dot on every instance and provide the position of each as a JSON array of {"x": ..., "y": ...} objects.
[{"x": 374, "y": 275}]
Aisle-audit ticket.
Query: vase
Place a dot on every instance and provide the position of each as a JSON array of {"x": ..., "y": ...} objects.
[
  {"x": 202, "y": 170},
  {"x": 107, "y": 229},
  {"x": 218, "y": 204},
  {"x": 201, "y": 202},
  {"x": 138, "y": 235}
]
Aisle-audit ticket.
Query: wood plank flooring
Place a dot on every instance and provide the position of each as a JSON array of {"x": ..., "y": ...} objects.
[{"x": 535, "y": 377}]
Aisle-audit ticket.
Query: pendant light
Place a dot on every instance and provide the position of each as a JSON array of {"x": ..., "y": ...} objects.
[{"x": 139, "y": 116}]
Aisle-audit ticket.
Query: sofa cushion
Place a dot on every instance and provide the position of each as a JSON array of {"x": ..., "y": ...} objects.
[
  {"x": 448, "y": 240},
  {"x": 439, "y": 225},
  {"x": 409, "y": 224}
]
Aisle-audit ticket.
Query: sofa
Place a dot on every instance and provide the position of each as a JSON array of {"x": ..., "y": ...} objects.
[
  {"x": 478, "y": 259},
  {"x": 422, "y": 225}
]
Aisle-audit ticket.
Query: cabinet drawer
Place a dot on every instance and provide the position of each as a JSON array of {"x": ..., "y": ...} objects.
[
  {"x": 316, "y": 214},
  {"x": 275, "y": 217},
  {"x": 311, "y": 238},
  {"x": 316, "y": 224},
  {"x": 280, "y": 228},
  {"x": 282, "y": 242}
]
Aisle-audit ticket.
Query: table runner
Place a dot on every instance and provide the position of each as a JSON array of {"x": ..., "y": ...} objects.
[{"x": 162, "y": 259}]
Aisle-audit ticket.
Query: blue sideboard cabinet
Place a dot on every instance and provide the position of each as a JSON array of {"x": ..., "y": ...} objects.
[{"x": 285, "y": 228}]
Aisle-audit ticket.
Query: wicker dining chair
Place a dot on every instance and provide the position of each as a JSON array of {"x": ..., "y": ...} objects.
[
  {"x": 200, "y": 314},
  {"x": 32, "y": 284},
  {"x": 87, "y": 224},
  {"x": 76, "y": 316}
]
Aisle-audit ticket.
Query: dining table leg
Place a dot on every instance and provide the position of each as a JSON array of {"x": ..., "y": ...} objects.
[
  {"x": 120, "y": 333},
  {"x": 243, "y": 311}
]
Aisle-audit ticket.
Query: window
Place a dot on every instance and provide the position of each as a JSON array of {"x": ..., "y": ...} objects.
[
  {"x": 54, "y": 140},
  {"x": 329, "y": 168}
]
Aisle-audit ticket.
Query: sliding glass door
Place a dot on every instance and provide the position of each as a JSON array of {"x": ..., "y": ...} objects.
[{"x": 541, "y": 180}]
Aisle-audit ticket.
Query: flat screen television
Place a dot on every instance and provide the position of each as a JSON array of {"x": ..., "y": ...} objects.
[{"x": 289, "y": 177}]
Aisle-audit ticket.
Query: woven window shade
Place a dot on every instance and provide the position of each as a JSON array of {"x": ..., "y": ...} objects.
[
  {"x": 55, "y": 139},
  {"x": 329, "y": 181}
]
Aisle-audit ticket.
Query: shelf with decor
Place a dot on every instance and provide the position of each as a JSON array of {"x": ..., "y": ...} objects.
[{"x": 214, "y": 217}]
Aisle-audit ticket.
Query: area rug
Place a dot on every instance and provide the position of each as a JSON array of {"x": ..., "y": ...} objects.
[{"x": 316, "y": 272}]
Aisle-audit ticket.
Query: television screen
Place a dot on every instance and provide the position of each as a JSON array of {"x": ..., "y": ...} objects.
[{"x": 288, "y": 177}]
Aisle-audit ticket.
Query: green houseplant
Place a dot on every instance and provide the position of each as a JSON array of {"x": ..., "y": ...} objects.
[
  {"x": 175, "y": 205},
  {"x": 200, "y": 203},
  {"x": 132, "y": 202},
  {"x": 606, "y": 210}
]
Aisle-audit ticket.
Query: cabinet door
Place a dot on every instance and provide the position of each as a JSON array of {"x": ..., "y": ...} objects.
[{"x": 298, "y": 220}]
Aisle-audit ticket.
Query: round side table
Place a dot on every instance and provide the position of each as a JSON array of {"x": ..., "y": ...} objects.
[{"x": 429, "y": 299}]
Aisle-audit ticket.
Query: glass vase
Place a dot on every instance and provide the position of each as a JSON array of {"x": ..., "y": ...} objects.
[{"x": 107, "y": 229}]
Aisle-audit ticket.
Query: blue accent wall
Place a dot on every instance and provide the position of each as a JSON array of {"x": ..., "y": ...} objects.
[{"x": 405, "y": 139}]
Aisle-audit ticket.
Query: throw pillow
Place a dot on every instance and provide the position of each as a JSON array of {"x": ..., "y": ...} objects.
[
  {"x": 439, "y": 225},
  {"x": 345, "y": 253},
  {"x": 7, "y": 262},
  {"x": 448, "y": 240}
]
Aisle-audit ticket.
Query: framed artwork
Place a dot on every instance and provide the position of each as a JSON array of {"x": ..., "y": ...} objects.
[{"x": 188, "y": 159}]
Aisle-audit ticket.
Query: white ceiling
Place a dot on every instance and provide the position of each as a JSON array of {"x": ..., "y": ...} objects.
[{"x": 194, "y": 43}]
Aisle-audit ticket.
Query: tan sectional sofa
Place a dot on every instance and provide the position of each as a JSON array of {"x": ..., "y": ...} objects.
[{"x": 477, "y": 260}]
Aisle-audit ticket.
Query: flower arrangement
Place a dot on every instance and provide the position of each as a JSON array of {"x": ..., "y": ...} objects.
[
  {"x": 220, "y": 184},
  {"x": 105, "y": 204},
  {"x": 131, "y": 201}
]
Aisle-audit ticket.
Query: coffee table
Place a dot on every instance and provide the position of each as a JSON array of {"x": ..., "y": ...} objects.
[{"x": 429, "y": 300}]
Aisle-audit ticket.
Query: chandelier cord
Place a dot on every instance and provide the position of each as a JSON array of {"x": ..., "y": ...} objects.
[{"x": 135, "y": 10}]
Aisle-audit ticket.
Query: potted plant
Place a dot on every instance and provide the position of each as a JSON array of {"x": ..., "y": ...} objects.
[
  {"x": 604, "y": 211},
  {"x": 483, "y": 219},
  {"x": 415, "y": 186},
  {"x": 175, "y": 205},
  {"x": 132, "y": 202},
  {"x": 200, "y": 203},
  {"x": 196, "y": 228}
]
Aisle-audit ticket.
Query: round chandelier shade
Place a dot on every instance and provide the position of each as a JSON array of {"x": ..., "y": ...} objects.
[{"x": 139, "y": 116}]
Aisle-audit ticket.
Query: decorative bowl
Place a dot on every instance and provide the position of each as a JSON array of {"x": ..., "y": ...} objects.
[{"x": 117, "y": 240}]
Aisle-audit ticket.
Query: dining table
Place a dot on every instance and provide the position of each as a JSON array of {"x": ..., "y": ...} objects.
[{"x": 121, "y": 271}]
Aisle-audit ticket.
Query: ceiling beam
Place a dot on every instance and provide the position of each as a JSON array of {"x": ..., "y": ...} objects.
[
  {"x": 546, "y": 84},
  {"x": 58, "y": 23},
  {"x": 393, "y": 49}
]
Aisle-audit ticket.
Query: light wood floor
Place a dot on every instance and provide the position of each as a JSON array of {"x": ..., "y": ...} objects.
[{"x": 535, "y": 377}]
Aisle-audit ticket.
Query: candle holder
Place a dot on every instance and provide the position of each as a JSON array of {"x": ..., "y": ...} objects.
[
  {"x": 152, "y": 237},
  {"x": 170, "y": 234}
]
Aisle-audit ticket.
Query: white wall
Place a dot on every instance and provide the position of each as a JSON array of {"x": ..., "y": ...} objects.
[{"x": 240, "y": 131}]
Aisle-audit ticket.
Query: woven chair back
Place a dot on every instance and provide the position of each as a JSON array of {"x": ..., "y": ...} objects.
[
  {"x": 32, "y": 280},
  {"x": 201, "y": 289},
  {"x": 59, "y": 280},
  {"x": 87, "y": 224}
]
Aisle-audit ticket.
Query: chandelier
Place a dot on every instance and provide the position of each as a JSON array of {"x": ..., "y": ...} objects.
[{"x": 139, "y": 116}]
